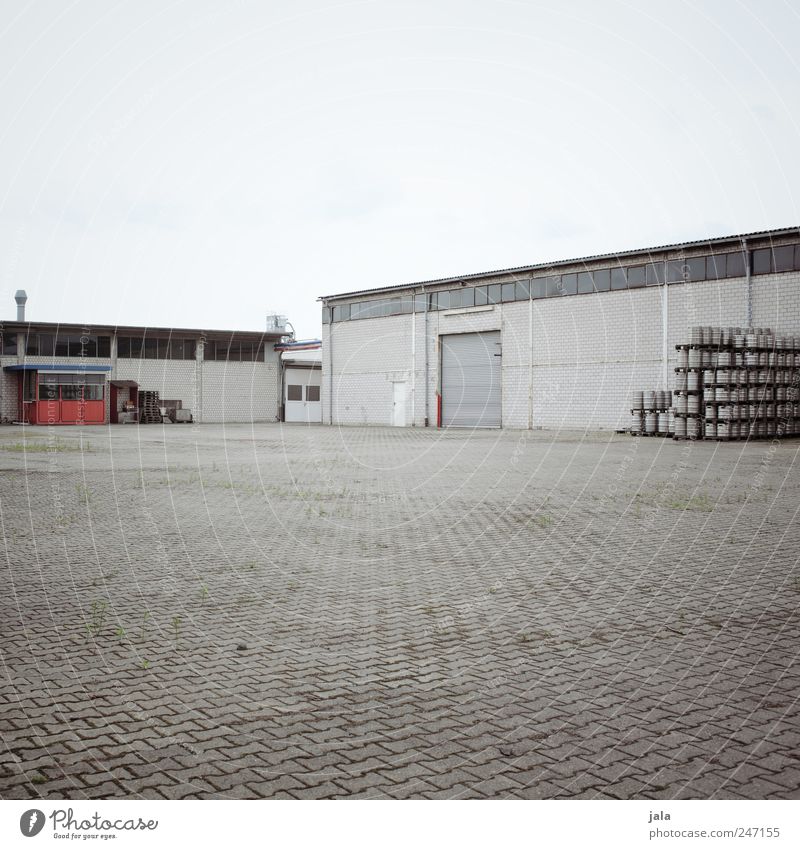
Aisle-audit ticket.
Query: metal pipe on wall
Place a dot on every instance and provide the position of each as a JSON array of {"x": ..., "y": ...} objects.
[
  {"x": 425, "y": 294},
  {"x": 748, "y": 278},
  {"x": 330, "y": 364}
]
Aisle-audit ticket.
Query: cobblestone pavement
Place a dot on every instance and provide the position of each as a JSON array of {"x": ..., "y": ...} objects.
[{"x": 290, "y": 611}]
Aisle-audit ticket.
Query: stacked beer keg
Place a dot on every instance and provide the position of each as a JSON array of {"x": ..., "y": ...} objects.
[
  {"x": 650, "y": 413},
  {"x": 730, "y": 383}
]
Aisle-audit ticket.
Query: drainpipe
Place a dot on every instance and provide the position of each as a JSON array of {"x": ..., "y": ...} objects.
[
  {"x": 665, "y": 332},
  {"x": 330, "y": 364},
  {"x": 426, "y": 355},
  {"x": 749, "y": 322}
]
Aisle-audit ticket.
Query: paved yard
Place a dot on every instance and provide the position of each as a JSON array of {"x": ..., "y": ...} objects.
[{"x": 278, "y": 611}]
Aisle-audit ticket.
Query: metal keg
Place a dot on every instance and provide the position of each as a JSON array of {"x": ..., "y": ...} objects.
[
  {"x": 780, "y": 393},
  {"x": 722, "y": 430},
  {"x": 724, "y": 358},
  {"x": 733, "y": 430},
  {"x": 722, "y": 393},
  {"x": 650, "y": 400},
  {"x": 744, "y": 430},
  {"x": 680, "y": 381},
  {"x": 723, "y": 376},
  {"x": 693, "y": 404},
  {"x": 636, "y": 421},
  {"x": 693, "y": 381},
  {"x": 695, "y": 358},
  {"x": 707, "y": 358},
  {"x": 637, "y": 401},
  {"x": 711, "y": 428},
  {"x": 650, "y": 422},
  {"x": 715, "y": 337},
  {"x": 711, "y": 411},
  {"x": 738, "y": 340},
  {"x": 680, "y": 403},
  {"x": 709, "y": 378},
  {"x": 693, "y": 427},
  {"x": 680, "y": 427},
  {"x": 683, "y": 358},
  {"x": 751, "y": 358},
  {"x": 723, "y": 411},
  {"x": 772, "y": 359},
  {"x": 663, "y": 422},
  {"x": 771, "y": 427},
  {"x": 751, "y": 340}
]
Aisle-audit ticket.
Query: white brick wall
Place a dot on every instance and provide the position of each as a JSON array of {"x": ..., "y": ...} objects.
[{"x": 589, "y": 352}]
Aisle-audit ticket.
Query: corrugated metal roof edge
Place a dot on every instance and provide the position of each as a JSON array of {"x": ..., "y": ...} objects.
[
  {"x": 521, "y": 269},
  {"x": 125, "y": 328}
]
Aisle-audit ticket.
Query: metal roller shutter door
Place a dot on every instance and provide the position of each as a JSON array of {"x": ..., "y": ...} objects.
[{"x": 471, "y": 374}]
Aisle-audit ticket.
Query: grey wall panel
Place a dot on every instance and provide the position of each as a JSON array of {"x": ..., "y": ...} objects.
[{"x": 471, "y": 379}]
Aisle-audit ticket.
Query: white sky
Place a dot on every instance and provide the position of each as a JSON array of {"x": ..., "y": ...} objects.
[{"x": 203, "y": 163}]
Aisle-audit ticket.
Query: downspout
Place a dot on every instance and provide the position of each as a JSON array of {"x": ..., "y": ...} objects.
[
  {"x": 330, "y": 364},
  {"x": 530, "y": 359},
  {"x": 413, "y": 364},
  {"x": 749, "y": 322},
  {"x": 665, "y": 332},
  {"x": 426, "y": 355}
]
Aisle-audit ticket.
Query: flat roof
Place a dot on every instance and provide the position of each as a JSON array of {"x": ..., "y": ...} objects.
[
  {"x": 123, "y": 329},
  {"x": 719, "y": 241}
]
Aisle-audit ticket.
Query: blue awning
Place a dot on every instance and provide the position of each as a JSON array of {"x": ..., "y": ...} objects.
[{"x": 69, "y": 368}]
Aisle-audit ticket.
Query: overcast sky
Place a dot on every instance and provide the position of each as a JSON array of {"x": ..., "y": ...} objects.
[{"x": 204, "y": 163}]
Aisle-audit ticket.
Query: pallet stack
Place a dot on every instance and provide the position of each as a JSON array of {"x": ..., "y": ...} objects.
[
  {"x": 149, "y": 412},
  {"x": 650, "y": 413},
  {"x": 750, "y": 385},
  {"x": 730, "y": 383}
]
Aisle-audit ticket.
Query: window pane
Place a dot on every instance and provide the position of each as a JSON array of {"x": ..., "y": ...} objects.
[
  {"x": 419, "y": 303},
  {"x": 797, "y": 257},
  {"x": 312, "y": 393},
  {"x": 675, "y": 270},
  {"x": 635, "y": 276},
  {"x": 654, "y": 274},
  {"x": 326, "y": 315},
  {"x": 584, "y": 283},
  {"x": 567, "y": 285},
  {"x": 735, "y": 265},
  {"x": 481, "y": 296},
  {"x": 294, "y": 392},
  {"x": 443, "y": 300},
  {"x": 602, "y": 280},
  {"x": 103, "y": 346},
  {"x": 522, "y": 290},
  {"x": 46, "y": 344},
  {"x": 406, "y": 304},
  {"x": 32, "y": 346},
  {"x": 10, "y": 344},
  {"x": 62, "y": 347},
  {"x": 783, "y": 258},
  {"x": 715, "y": 266},
  {"x": 246, "y": 352},
  {"x": 341, "y": 312},
  {"x": 47, "y": 391},
  {"x": 618, "y": 279},
  {"x": 393, "y": 306},
  {"x": 123, "y": 347},
  {"x": 554, "y": 286},
  {"x": 150, "y": 349},
  {"x": 468, "y": 297},
  {"x": 508, "y": 292},
  {"x": 71, "y": 392},
  {"x": 494, "y": 293},
  {"x": 539, "y": 287},
  {"x": 696, "y": 268},
  {"x": 93, "y": 392}
]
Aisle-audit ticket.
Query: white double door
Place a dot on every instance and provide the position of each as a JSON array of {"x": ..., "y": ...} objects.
[{"x": 302, "y": 395}]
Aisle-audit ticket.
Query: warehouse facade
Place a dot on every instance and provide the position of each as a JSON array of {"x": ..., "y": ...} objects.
[
  {"x": 56, "y": 374},
  {"x": 550, "y": 345}
]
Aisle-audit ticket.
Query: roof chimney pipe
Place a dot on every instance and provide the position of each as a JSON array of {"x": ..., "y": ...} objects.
[{"x": 20, "y": 297}]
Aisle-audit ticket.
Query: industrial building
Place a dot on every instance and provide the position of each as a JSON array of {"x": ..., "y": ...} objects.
[
  {"x": 549, "y": 345},
  {"x": 61, "y": 374}
]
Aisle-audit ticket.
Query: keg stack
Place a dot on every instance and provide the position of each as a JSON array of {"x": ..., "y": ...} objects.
[
  {"x": 650, "y": 413},
  {"x": 750, "y": 384},
  {"x": 693, "y": 358}
]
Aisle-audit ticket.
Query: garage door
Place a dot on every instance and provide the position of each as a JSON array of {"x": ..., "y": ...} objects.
[{"x": 471, "y": 372}]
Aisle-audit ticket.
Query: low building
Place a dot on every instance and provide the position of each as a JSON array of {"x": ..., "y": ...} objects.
[
  {"x": 92, "y": 374},
  {"x": 550, "y": 345}
]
